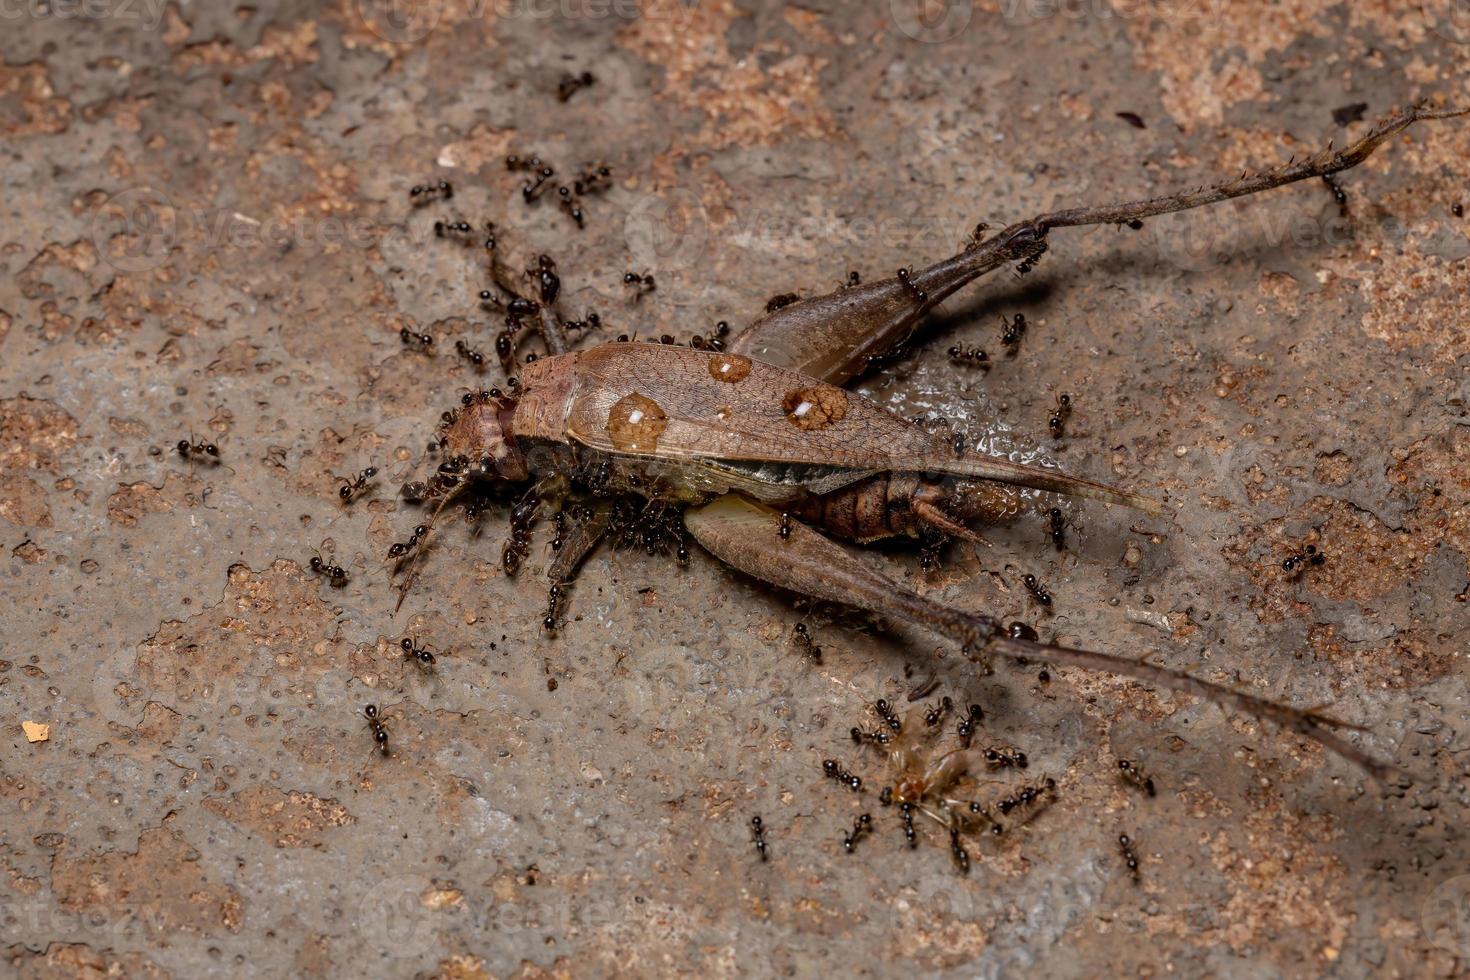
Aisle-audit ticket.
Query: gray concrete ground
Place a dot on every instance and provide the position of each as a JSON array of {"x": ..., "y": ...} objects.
[{"x": 207, "y": 233}]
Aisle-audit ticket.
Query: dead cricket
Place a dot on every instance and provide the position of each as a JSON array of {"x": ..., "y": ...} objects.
[{"x": 755, "y": 450}]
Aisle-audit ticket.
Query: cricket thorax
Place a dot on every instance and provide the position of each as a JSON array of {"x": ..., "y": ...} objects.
[{"x": 478, "y": 432}]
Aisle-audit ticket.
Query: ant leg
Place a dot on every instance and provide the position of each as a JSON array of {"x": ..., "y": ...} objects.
[
  {"x": 741, "y": 534},
  {"x": 835, "y": 337}
]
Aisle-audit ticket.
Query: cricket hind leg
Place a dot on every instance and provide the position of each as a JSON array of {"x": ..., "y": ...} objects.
[
  {"x": 747, "y": 536},
  {"x": 838, "y": 336},
  {"x": 588, "y": 525}
]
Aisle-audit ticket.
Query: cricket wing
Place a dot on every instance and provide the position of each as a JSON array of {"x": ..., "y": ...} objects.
[{"x": 769, "y": 424}]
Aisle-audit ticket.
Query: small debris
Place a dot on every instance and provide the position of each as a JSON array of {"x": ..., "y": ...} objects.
[
  {"x": 35, "y": 731},
  {"x": 1148, "y": 618},
  {"x": 1133, "y": 119}
]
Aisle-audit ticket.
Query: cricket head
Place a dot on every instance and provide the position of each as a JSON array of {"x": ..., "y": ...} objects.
[{"x": 477, "y": 441}]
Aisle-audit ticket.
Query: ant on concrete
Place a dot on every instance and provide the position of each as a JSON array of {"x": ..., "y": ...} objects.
[
  {"x": 1134, "y": 776},
  {"x": 1037, "y": 590},
  {"x": 641, "y": 285},
  {"x": 1011, "y": 331},
  {"x": 336, "y": 575},
  {"x": 758, "y": 835},
  {"x": 193, "y": 451},
  {"x": 379, "y": 730},
  {"x": 571, "y": 84},
  {"x": 418, "y": 341},
  {"x": 1057, "y": 423},
  {"x": 422, "y": 194},
  {"x": 352, "y": 488},
  {"x": 420, "y": 655}
]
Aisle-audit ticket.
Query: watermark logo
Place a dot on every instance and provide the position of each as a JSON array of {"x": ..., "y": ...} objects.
[
  {"x": 668, "y": 230},
  {"x": 135, "y": 230},
  {"x": 1446, "y": 916},
  {"x": 147, "y": 14},
  {"x": 931, "y": 21},
  {"x": 395, "y": 918},
  {"x": 1450, "y": 21},
  {"x": 400, "y": 21}
]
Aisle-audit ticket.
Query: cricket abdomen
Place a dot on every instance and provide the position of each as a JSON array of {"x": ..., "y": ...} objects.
[{"x": 904, "y": 505}]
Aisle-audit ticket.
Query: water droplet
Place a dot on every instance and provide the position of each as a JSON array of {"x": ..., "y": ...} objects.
[
  {"x": 815, "y": 407},
  {"x": 729, "y": 368},
  {"x": 634, "y": 424}
]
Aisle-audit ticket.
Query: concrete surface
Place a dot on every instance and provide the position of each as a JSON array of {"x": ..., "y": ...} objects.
[{"x": 207, "y": 232}]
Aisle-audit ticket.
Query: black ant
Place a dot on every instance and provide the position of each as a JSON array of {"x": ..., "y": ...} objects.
[
  {"x": 966, "y": 728},
  {"x": 860, "y": 826},
  {"x": 861, "y": 736},
  {"x": 884, "y": 710},
  {"x": 854, "y": 278},
  {"x": 590, "y": 321},
  {"x": 1129, "y": 858},
  {"x": 834, "y": 770},
  {"x": 1056, "y": 528},
  {"x": 554, "y": 596},
  {"x": 1030, "y": 261},
  {"x": 802, "y": 637},
  {"x": 570, "y": 84},
  {"x": 352, "y": 488},
  {"x": 1020, "y": 631},
  {"x": 973, "y": 356},
  {"x": 401, "y": 549},
  {"x": 418, "y": 341},
  {"x": 936, "y": 713},
  {"x": 422, "y": 194},
  {"x": 641, "y": 285},
  {"x": 961, "y": 856},
  {"x": 912, "y": 835},
  {"x": 192, "y": 451},
  {"x": 784, "y": 530},
  {"x": 1005, "y": 758},
  {"x": 380, "y": 732},
  {"x": 336, "y": 575},
  {"x": 758, "y": 833},
  {"x": 1037, "y": 590},
  {"x": 593, "y": 179},
  {"x": 1338, "y": 194},
  {"x": 1135, "y": 776},
  {"x": 906, "y": 278},
  {"x": 1307, "y": 556},
  {"x": 470, "y": 354},
  {"x": 1457, "y": 209},
  {"x": 459, "y": 231},
  {"x": 515, "y": 550},
  {"x": 1011, "y": 331},
  {"x": 531, "y": 190},
  {"x": 1042, "y": 794},
  {"x": 1056, "y": 424},
  {"x": 715, "y": 340},
  {"x": 781, "y": 301},
  {"x": 548, "y": 283},
  {"x": 420, "y": 655}
]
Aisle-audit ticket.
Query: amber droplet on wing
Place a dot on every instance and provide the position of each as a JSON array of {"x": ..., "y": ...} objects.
[
  {"x": 729, "y": 368},
  {"x": 634, "y": 424},
  {"x": 816, "y": 407}
]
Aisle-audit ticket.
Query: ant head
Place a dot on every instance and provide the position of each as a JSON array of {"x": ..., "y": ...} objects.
[{"x": 480, "y": 432}]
